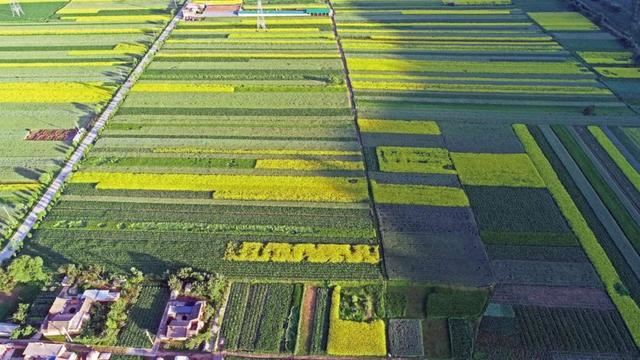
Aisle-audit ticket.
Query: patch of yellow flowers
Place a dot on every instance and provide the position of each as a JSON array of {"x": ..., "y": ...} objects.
[
  {"x": 299, "y": 253},
  {"x": 54, "y": 92}
]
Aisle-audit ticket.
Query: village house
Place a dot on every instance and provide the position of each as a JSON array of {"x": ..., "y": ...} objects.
[
  {"x": 42, "y": 351},
  {"x": 184, "y": 319},
  {"x": 70, "y": 312},
  {"x": 6, "y": 351}
]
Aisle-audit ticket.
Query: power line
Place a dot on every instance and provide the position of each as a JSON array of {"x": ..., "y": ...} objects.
[
  {"x": 261, "y": 23},
  {"x": 16, "y": 8}
]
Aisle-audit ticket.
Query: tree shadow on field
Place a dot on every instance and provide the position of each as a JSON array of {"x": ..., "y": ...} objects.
[
  {"x": 52, "y": 259},
  {"x": 114, "y": 76},
  {"x": 88, "y": 114},
  {"x": 61, "y": 148},
  {"x": 31, "y": 174},
  {"x": 152, "y": 315},
  {"x": 153, "y": 265}
]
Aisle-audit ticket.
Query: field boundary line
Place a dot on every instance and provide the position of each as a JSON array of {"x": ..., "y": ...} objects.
[
  {"x": 39, "y": 210},
  {"x": 354, "y": 113}
]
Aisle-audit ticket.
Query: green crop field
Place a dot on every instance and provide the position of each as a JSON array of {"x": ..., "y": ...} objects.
[{"x": 61, "y": 62}]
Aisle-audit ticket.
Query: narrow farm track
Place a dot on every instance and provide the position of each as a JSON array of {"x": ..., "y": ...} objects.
[
  {"x": 601, "y": 211},
  {"x": 40, "y": 208},
  {"x": 308, "y": 313},
  {"x": 354, "y": 111}
]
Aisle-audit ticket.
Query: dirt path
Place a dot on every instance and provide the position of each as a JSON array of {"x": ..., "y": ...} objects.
[
  {"x": 308, "y": 308},
  {"x": 354, "y": 112}
]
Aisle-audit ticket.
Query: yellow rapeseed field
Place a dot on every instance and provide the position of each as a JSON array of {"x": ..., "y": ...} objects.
[
  {"x": 53, "y": 92},
  {"x": 352, "y": 338},
  {"x": 237, "y": 187},
  {"x": 399, "y": 126},
  {"x": 419, "y": 195},
  {"x": 298, "y": 253},
  {"x": 309, "y": 164}
]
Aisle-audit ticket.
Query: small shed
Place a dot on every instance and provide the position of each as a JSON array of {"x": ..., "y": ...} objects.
[
  {"x": 101, "y": 295},
  {"x": 318, "y": 11}
]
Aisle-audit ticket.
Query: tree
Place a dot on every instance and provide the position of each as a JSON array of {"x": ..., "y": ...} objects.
[
  {"x": 26, "y": 269},
  {"x": 6, "y": 282},
  {"x": 22, "y": 270},
  {"x": 20, "y": 316},
  {"x": 589, "y": 110},
  {"x": 84, "y": 276},
  {"x": 175, "y": 284},
  {"x": 23, "y": 332},
  {"x": 71, "y": 271}
]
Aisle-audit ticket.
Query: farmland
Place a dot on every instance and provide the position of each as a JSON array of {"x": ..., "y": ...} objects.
[
  {"x": 415, "y": 178},
  {"x": 249, "y": 164},
  {"x": 475, "y": 70},
  {"x": 258, "y": 311},
  {"x": 60, "y": 64}
]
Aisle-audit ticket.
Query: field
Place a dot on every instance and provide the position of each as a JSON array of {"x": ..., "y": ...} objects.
[
  {"x": 261, "y": 316},
  {"x": 227, "y": 162},
  {"x": 473, "y": 70},
  {"x": 420, "y": 178},
  {"x": 145, "y": 316},
  {"x": 61, "y": 62}
]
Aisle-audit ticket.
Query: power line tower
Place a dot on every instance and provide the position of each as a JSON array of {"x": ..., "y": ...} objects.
[
  {"x": 261, "y": 23},
  {"x": 16, "y": 9}
]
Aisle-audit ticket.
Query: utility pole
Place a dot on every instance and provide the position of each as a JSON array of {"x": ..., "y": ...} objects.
[
  {"x": 261, "y": 23},
  {"x": 149, "y": 337},
  {"x": 16, "y": 9}
]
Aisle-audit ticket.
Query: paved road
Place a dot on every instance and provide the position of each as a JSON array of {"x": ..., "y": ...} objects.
[{"x": 39, "y": 209}]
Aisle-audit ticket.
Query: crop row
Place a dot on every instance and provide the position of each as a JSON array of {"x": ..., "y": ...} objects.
[
  {"x": 144, "y": 317},
  {"x": 320, "y": 321},
  {"x": 234, "y": 314},
  {"x": 251, "y": 322},
  {"x": 66, "y": 69},
  {"x": 583, "y": 330},
  {"x": 256, "y": 316},
  {"x": 221, "y": 214}
]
